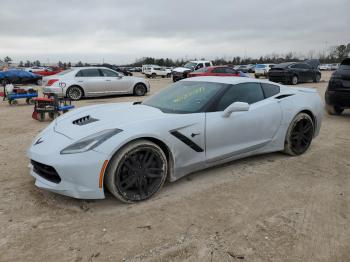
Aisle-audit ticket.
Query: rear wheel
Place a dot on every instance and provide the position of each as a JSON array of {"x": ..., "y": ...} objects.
[
  {"x": 75, "y": 93},
  {"x": 299, "y": 135},
  {"x": 295, "y": 80},
  {"x": 154, "y": 75},
  {"x": 137, "y": 171},
  {"x": 168, "y": 75},
  {"x": 140, "y": 90},
  {"x": 317, "y": 78},
  {"x": 334, "y": 110}
]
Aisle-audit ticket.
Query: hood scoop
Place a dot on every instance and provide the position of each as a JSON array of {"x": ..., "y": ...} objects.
[{"x": 84, "y": 121}]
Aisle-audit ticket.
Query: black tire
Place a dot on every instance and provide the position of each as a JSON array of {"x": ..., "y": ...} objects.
[
  {"x": 317, "y": 78},
  {"x": 41, "y": 117},
  {"x": 334, "y": 110},
  {"x": 256, "y": 76},
  {"x": 154, "y": 75},
  {"x": 175, "y": 79},
  {"x": 75, "y": 93},
  {"x": 299, "y": 135},
  {"x": 140, "y": 90},
  {"x": 137, "y": 171},
  {"x": 54, "y": 115},
  {"x": 39, "y": 82},
  {"x": 295, "y": 80},
  {"x": 168, "y": 75}
]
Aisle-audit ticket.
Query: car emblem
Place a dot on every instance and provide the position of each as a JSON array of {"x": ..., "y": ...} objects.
[{"x": 39, "y": 141}]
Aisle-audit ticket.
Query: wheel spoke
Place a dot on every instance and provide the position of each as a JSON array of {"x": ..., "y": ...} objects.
[
  {"x": 153, "y": 175},
  {"x": 129, "y": 182}
]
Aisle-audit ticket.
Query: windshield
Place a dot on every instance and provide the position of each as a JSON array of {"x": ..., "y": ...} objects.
[
  {"x": 261, "y": 66},
  {"x": 190, "y": 65},
  {"x": 65, "y": 72},
  {"x": 185, "y": 97}
]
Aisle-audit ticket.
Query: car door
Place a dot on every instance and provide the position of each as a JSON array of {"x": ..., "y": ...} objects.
[
  {"x": 115, "y": 82},
  {"x": 309, "y": 72},
  {"x": 241, "y": 132},
  {"x": 91, "y": 81}
]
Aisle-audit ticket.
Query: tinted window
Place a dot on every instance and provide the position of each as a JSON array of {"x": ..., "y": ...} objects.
[
  {"x": 247, "y": 92},
  {"x": 305, "y": 66},
  {"x": 230, "y": 71},
  {"x": 270, "y": 90},
  {"x": 218, "y": 70},
  {"x": 207, "y": 64},
  {"x": 89, "y": 73},
  {"x": 109, "y": 73}
]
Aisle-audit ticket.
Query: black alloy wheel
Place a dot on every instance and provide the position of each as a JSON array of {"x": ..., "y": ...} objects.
[{"x": 137, "y": 172}]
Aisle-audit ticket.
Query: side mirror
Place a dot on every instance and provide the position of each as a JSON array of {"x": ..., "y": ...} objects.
[{"x": 235, "y": 107}]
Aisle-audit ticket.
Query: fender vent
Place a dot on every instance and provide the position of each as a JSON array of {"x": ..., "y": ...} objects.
[
  {"x": 283, "y": 96},
  {"x": 84, "y": 120}
]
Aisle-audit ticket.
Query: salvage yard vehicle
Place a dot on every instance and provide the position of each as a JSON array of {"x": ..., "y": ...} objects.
[
  {"x": 262, "y": 70},
  {"x": 82, "y": 82},
  {"x": 182, "y": 72},
  {"x": 16, "y": 76},
  {"x": 338, "y": 91},
  {"x": 131, "y": 149},
  {"x": 154, "y": 71},
  {"x": 48, "y": 71},
  {"x": 296, "y": 72},
  {"x": 215, "y": 71}
]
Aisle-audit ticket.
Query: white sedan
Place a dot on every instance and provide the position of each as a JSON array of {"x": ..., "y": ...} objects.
[
  {"x": 80, "y": 82},
  {"x": 132, "y": 148}
]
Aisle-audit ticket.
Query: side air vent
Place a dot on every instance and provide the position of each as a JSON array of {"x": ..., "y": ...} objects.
[
  {"x": 283, "y": 96},
  {"x": 84, "y": 120}
]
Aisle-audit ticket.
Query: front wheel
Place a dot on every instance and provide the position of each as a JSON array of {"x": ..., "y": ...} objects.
[
  {"x": 334, "y": 110},
  {"x": 299, "y": 135},
  {"x": 137, "y": 171},
  {"x": 317, "y": 78},
  {"x": 75, "y": 93},
  {"x": 295, "y": 80}
]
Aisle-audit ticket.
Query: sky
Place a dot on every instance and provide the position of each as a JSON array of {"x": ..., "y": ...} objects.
[{"x": 119, "y": 32}]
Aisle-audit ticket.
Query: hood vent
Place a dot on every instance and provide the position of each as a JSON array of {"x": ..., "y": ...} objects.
[{"x": 84, "y": 120}]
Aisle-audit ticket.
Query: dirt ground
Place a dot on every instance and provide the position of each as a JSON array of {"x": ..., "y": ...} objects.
[{"x": 265, "y": 208}]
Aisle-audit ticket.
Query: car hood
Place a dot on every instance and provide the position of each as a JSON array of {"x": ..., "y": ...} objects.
[
  {"x": 181, "y": 69},
  {"x": 89, "y": 120}
]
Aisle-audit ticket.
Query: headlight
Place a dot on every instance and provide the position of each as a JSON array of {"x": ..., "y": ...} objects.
[{"x": 90, "y": 142}]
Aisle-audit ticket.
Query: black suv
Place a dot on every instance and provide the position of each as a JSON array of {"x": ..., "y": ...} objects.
[
  {"x": 296, "y": 72},
  {"x": 338, "y": 90}
]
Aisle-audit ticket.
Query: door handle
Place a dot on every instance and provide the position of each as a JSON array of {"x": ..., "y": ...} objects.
[{"x": 80, "y": 81}]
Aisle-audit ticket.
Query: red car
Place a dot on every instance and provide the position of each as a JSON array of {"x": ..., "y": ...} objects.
[
  {"x": 49, "y": 71},
  {"x": 215, "y": 71}
]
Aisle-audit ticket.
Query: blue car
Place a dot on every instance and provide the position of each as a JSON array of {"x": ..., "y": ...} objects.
[{"x": 16, "y": 76}]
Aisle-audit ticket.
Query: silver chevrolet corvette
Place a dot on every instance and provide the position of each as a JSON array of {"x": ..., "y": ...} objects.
[{"x": 131, "y": 149}]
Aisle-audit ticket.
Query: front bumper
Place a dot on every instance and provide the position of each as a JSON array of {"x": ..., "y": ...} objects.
[{"x": 79, "y": 174}]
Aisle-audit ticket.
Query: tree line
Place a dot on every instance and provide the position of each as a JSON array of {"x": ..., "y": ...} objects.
[{"x": 334, "y": 54}]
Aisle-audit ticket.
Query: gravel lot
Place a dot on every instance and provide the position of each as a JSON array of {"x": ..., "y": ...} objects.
[{"x": 265, "y": 208}]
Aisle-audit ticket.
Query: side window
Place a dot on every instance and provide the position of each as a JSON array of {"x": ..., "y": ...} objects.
[
  {"x": 200, "y": 65},
  {"x": 270, "y": 90},
  {"x": 218, "y": 70},
  {"x": 230, "y": 71},
  {"x": 246, "y": 92},
  {"x": 89, "y": 73},
  {"x": 207, "y": 64},
  {"x": 305, "y": 66},
  {"x": 79, "y": 74},
  {"x": 109, "y": 73}
]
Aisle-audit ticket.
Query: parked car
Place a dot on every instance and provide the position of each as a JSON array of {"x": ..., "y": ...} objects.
[
  {"x": 182, "y": 72},
  {"x": 154, "y": 71},
  {"x": 296, "y": 72},
  {"x": 146, "y": 66},
  {"x": 48, "y": 71},
  {"x": 325, "y": 67},
  {"x": 262, "y": 70},
  {"x": 16, "y": 76},
  {"x": 34, "y": 69},
  {"x": 338, "y": 91},
  {"x": 215, "y": 71},
  {"x": 334, "y": 66},
  {"x": 80, "y": 82},
  {"x": 131, "y": 149}
]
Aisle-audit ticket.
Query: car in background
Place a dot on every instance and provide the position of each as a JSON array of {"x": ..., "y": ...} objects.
[
  {"x": 334, "y": 66},
  {"x": 79, "y": 82},
  {"x": 34, "y": 69},
  {"x": 16, "y": 76},
  {"x": 182, "y": 72},
  {"x": 325, "y": 67},
  {"x": 48, "y": 71},
  {"x": 296, "y": 72},
  {"x": 154, "y": 71},
  {"x": 262, "y": 70},
  {"x": 146, "y": 66},
  {"x": 215, "y": 71},
  {"x": 337, "y": 95},
  {"x": 246, "y": 68}
]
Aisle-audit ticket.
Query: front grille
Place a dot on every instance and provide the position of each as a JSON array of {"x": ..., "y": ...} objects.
[{"x": 45, "y": 171}]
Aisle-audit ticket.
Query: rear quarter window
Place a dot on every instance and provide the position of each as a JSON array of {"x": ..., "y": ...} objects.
[{"x": 270, "y": 89}]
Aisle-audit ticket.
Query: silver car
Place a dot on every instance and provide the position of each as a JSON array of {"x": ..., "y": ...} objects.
[{"x": 79, "y": 82}]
